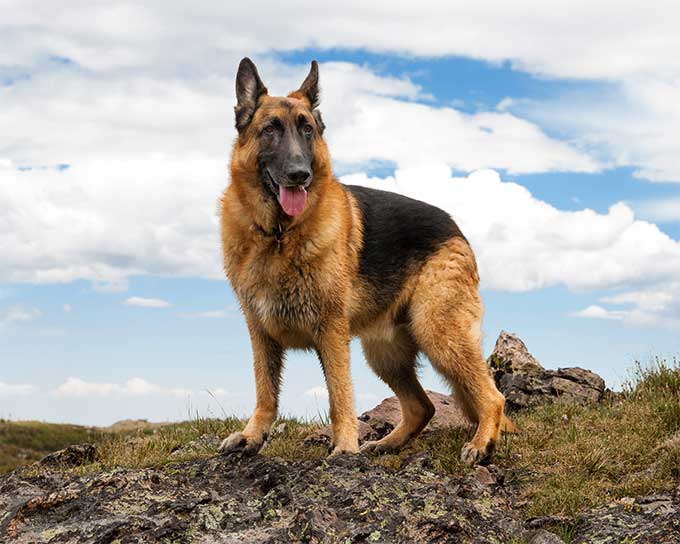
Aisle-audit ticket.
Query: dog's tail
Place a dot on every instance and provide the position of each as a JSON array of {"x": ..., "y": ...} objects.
[{"x": 508, "y": 426}]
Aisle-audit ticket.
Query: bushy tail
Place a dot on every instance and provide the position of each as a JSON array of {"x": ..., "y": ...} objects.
[{"x": 508, "y": 426}]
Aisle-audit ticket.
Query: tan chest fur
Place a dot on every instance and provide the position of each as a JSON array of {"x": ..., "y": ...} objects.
[{"x": 290, "y": 286}]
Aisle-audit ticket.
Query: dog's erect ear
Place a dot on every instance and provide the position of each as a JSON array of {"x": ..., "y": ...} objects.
[
  {"x": 249, "y": 89},
  {"x": 310, "y": 86}
]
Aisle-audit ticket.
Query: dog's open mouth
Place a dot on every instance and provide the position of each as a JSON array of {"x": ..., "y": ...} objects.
[{"x": 292, "y": 199}]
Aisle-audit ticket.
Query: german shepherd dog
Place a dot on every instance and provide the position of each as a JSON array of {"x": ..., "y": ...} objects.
[{"x": 314, "y": 262}]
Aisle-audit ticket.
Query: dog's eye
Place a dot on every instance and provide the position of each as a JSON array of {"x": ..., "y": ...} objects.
[
  {"x": 307, "y": 130},
  {"x": 269, "y": 130}
]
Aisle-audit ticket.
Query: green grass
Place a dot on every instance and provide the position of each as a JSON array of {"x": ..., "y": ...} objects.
[
  {"x": 25, "y": 442},
  {"x": 564, "y": 459}
]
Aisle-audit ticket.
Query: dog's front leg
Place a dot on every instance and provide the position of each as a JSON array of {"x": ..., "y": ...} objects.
[
  {"x": 333, "y": 350},
  {"x": 267, "y": 362}
]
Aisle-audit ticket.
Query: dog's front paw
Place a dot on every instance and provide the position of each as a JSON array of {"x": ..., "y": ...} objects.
[
  {"x": 238, "y": 442},
  {"x": 345, "y": 447}
]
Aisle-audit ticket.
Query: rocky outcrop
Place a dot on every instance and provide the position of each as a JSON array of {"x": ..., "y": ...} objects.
[
  {"x": 525, "y": 383},
  {"x": 256, "y": 500},
  {"x": 379, "y": 421},
  {"x": 233, "y": 499}
]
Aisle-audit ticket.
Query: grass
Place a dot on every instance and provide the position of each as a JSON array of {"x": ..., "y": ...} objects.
[
  {"x": 25, "y": 442},
  {"x": 565, "y": 458}
]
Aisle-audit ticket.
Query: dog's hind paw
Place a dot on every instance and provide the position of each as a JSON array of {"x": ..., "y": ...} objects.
[
  {"x": 238, "y": 442},
  {"x": 471, "y": 454}
]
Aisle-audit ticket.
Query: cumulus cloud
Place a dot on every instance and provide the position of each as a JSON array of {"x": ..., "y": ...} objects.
[
  {"x": 134, "y": 387},
  {"x": 146, "y": 302},
  {"x": 608, "y": 39},
  {"x": 657, "y": 305},
  {"x": 16, "y": 389},
  {"x": 629, "y": 123}
]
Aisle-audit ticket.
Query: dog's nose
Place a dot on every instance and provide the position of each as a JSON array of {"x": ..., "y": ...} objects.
[{"x": 298, "y": 176}]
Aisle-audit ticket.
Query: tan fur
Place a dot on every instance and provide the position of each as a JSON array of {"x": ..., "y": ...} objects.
[{"x": 298, "y": 286}]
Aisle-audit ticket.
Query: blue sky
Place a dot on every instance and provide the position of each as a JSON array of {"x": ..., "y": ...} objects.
[{"x": 559, "y": 165}]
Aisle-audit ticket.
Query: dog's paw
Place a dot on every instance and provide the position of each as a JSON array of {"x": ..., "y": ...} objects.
[
  {"x": 238, "y": 442},
  {"x": 376, "y": 446},
  {"x": 471, "y": 454},
  {"x": 346, "y": 450}
]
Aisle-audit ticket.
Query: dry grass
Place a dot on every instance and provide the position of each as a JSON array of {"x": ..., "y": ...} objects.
[{"x": 566, "y": 458}]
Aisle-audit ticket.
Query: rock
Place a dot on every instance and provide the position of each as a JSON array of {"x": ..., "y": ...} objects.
[
  {"x": 483, "y": 476},
  {"x": 256, "y": 500},
  {"x": 525, "y": 383},
  {"x": 379, "y": 421},
  {"x": 541, "y": 536},
  {"x": 654, "y": 519},
  {"x": 268, "y": 500},
  {"x": 70, "y": 457}
]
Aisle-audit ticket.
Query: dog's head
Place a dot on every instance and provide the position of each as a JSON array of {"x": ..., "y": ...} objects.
[{"x": 280, "y": 138}]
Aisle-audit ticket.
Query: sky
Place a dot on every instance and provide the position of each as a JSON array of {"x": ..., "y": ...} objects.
[{"x": 549, "y": 132}]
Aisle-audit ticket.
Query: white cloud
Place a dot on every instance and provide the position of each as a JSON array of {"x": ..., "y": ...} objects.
[
  {"x": 598, "y": 312},
  {"x": 630, "y": 123},
  {"x": 67, "y": 308},
  {"x": 134, "y": 387},
  {"x": 657, "y": 305},
  {"x": 18, "y": 389},
  {"x": 146, "y": 302},
  {"x": 128, "y": 81},
  {"x": 318, "y": 391},
  {"x": 18, "y": 314},
  {"x": 607, "y": 39}
]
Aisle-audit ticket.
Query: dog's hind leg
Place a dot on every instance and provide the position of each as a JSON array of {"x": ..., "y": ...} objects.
[
  {"x": 446, "y": 313},
  {"x": 394, "y": 360}
]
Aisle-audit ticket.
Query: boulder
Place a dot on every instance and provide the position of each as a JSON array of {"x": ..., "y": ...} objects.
[
  {"x": 378, "y": 422},
  {"x": 525, "y": 383},
  {"x": 70, "y": 457}
]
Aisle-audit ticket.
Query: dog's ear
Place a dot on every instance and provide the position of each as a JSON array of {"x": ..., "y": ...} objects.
[
  {"x": 310, "y": 86},
  {"x": 310, "y": 90},
  {"x": 249, "y": 89}
]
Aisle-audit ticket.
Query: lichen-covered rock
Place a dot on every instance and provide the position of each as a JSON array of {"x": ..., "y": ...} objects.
[
  {"x": 525, "y": 383},
  {"x": 71, "y": 456},
  {"x": 654, "y": 519},
  {"x": 541, "y": 536},
  {"x": 379, "y": 421},
  {"x": 256, "y": 500}
]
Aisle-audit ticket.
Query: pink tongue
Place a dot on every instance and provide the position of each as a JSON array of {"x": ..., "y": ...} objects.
[{"x": 292, "y": 199}]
